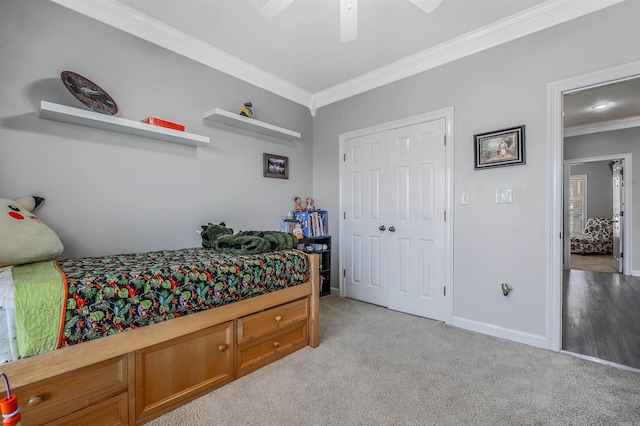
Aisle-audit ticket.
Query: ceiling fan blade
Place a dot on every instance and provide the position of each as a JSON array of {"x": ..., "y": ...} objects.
[
  {"x": 427, "y": 6},
  {"x": 348, "y": 20},
  {"x": 273, "y": 7}
]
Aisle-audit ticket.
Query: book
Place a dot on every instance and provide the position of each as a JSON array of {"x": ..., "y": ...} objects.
[{"x": 163, "y": 123}]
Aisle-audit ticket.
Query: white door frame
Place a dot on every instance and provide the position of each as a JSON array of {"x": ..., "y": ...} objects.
[
  {"x": 555, "y": 92},
  {"x": 628, "y": 205},
  {"x": 448, "y": 115}
]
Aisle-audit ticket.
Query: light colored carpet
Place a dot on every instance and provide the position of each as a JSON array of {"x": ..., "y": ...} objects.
[
  {"x": 379, "y": 367},
  {"x": 593, "y": 262}
]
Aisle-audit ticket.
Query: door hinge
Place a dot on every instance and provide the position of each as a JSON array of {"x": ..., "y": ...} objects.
[
  {"x": 344, "y": 273},
  {"x": 344, "y": 157},
  {"x": 445, "y": 215},
  {"x": 445, "y": 140},
  {"x": 621, "y": 255},
  {"x": 344, "y": 215},
  {"x": 560, "y": 235},
  {"x": 622, "y": 213},
  {"x": 444, "y": 290}
]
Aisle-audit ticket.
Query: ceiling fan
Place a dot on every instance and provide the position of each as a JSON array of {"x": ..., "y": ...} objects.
[{"x": 348, "y": 13}]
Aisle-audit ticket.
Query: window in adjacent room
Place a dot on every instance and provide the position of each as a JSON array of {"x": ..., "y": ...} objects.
[{"x": 577, "y": 203}]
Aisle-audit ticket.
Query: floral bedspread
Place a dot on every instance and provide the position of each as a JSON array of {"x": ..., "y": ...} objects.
[{"x": 111, "y": 294}]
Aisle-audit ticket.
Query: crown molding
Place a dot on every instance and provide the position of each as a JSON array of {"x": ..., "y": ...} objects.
[
  {"x": 129, "y": 20},
  {"x": 602, "y": 126},
  {"x": 537, "y": 18}
]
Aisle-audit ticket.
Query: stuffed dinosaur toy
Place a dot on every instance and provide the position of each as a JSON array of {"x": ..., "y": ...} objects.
[
  {"x": 23, "y": 237},
  {"x": 221, "y": 238}
]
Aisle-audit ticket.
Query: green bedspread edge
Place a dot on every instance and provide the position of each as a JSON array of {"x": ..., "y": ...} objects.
[{"x": 40, "y": 297}]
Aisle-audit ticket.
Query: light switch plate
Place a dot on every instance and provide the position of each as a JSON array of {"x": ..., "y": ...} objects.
[
  {"x": 464, "y": 198},
  {"x": 504, "y": 196}
]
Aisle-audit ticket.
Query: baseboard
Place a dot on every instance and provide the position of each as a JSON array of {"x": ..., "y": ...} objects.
[
  {"x": 635, "y": 273},
  {"x": 501, "y": 332}
]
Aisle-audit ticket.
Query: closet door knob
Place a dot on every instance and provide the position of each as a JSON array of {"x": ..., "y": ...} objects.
[
  {"x": 382, "y": 227},
  {"x": 392, "y": 229},
  {"x": 222, "y": 348},
  {"x": 278, "y": 318}
]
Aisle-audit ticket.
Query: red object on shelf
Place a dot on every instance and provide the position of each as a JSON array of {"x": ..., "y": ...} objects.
[{"x": 163, "y": 123}]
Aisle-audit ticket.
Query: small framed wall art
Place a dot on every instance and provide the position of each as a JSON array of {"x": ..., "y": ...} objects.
[
  {"x": 275, "y": 166},
  {"x": 499, "y": 148}
]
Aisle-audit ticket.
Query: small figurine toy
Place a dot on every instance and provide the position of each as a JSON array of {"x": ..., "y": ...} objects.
[
  {"x": 246, "y": 110},
  {"x": 298, "y": 204},
  {"x": 310, "y": 204}
]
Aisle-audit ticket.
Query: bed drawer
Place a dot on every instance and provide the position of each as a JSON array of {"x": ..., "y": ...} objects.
[
  {"x": 265, "y": 322},
  {"x": 182, "y": 369},
  {"x": 264, "y": 351},
  {"x": 112, "y": 412},
  {"x": 54, "y": 398}
]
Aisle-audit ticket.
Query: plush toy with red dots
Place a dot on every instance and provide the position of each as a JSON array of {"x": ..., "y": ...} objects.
[{"x": 23, "y": 238}]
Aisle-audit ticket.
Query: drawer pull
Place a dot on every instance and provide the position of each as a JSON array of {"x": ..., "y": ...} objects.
[
  {"x": 278, "y": 318},
  {"x": 222, "y": 348},
  {"x": 35, "y": 401},
  {"x": 276, "y": 344}
]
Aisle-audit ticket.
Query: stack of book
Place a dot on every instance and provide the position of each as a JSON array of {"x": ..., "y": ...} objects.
[{"x": 315, "y": 223}]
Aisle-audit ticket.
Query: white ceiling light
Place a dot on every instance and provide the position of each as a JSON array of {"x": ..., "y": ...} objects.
[
  {"x": 348, "y": 13},
  {"x": 600, "y": 106}
]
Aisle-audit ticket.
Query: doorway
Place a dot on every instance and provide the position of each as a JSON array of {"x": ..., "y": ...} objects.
[
  {"x": 595, "y": 196},
  {"x": 557, "y": 275},
  {"x": 396, "y": 186}
]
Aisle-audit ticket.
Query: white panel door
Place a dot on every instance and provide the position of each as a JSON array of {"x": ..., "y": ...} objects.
[
  {"x": 394, "y": 231},
  {"x": 618, "y": 196},
  {"x": 365, "y": 262},
  {"x": 415, "y": 220}
]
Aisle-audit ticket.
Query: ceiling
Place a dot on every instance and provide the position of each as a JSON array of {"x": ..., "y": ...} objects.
[
  {"x": 622, "y": 100},
  {"x": 298, "y": 53},
  {"x": 302, "y": 44}
]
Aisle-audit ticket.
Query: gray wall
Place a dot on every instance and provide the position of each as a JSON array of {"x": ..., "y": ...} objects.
[
  {"x": 498, "y": 88},
  {"x": 112, "y": 193},
  {"x": 599, "y": 188},
  {"x": 614, "y": 142}
]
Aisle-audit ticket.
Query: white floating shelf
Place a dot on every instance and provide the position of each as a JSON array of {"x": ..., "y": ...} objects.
[
  {"x": 241, "y": 122},
  {"x": 82, "y": 117}
]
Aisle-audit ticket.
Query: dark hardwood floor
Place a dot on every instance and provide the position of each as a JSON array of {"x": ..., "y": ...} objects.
[{"x": 601, "y": 316}]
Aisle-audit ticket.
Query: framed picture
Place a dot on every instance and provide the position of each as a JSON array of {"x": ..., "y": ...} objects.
[
  {"x": 275, "y": 166},
  {"x": 499, "y": 148}
]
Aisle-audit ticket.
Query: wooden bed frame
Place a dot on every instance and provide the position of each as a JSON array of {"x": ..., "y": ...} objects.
[{"x": 133, "y": 377}]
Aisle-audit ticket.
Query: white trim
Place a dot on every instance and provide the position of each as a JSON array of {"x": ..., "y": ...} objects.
[
  {"x": 603, "y": 126},
  {"x": 131, "y": 21},
  {"x": 635, "y": 273},
  {"x": 529, "y": 21},
  {"x": 501, "y": 332},
  {"x": 555, "y": 93},
  {"x": 448, "y": 115},
  {"x": 537, "y": 18}
]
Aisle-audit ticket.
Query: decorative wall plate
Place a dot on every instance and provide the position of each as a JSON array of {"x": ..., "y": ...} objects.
[{"x": 89, "y": 93}]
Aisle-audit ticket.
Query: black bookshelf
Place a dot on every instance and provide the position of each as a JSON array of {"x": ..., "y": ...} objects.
[{"x": 321, "y": 246}]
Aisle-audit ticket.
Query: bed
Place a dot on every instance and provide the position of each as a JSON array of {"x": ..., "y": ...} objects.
[{"x": 139, "y": 335}]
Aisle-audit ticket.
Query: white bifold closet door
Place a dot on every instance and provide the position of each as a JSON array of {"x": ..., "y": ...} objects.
[{"x": 394, "y": 198}]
